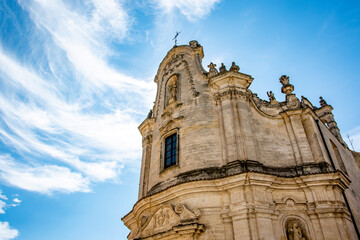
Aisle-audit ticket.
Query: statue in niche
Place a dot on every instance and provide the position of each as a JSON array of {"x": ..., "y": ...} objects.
[
  {"x": 172, "y": 89},
  {"x": 294, "y": 231}
]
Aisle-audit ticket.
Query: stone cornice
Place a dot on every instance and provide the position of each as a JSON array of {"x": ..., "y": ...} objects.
[{"x": 238, "y": 167}]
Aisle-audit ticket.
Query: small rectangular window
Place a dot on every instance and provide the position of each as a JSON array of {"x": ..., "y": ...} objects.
[{"x": 170, "y": 150}]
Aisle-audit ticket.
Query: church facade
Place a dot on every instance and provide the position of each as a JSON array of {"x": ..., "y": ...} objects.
[{"x": 218, "y": 162}]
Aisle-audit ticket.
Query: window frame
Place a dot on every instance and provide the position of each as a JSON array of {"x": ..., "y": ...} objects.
[
  {"x": 171, "y": 151},
  {"x": 163, "y": 166}
]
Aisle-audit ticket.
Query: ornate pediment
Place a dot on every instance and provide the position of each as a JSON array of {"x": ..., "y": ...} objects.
[{"x": 165, "y": 218}]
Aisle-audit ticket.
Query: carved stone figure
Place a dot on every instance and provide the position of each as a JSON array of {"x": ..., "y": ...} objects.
[
  {"x": 234, "y": 67},
  {"x": 294, "y": 231},
  {"x": 271, "y": 96},
  {"x": 222, "y": 68},
  {"x": 172, "y": 89},
  {"x": 212, "y": 70}
]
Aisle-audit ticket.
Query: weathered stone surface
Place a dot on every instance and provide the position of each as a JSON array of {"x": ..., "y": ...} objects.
[{"x": 246, "y": 168}]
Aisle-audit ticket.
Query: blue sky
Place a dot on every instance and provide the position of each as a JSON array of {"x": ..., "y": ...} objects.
[{"x": 76, "y": 79}]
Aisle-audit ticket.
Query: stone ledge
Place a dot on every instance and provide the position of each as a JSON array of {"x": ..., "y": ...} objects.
[{"x": 238, "y": 167}]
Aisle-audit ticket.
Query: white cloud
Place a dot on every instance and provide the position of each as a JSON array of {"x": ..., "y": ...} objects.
[
  {"x": 43, "y": 179},
  {"x": 2, "y": 196},
  {"x": 192, "y": 9},
  {"x": 72, "y": 118},
  {"x": 2, "y": 207},
  {"x": 3, "y": 203},
  {"x": 6, "y": 232}
]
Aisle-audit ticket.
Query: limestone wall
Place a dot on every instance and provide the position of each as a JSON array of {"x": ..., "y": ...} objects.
[{"x": 246, "y": 168}]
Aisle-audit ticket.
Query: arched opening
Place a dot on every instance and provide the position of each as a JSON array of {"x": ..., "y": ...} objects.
[{"x": 296, "y": 229}]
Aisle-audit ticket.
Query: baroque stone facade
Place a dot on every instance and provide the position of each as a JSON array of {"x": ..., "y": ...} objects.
[{"x": 221, "y": 163}]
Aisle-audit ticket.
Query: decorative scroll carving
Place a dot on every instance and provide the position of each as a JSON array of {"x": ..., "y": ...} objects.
[
  {"x": 190, "y": 79},
  {"x": 306, "y": 103}
]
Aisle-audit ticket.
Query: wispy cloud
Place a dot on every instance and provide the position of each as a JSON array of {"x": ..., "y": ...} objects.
[
  {"x": 6, "y": 203},
  {"x": 6, "y": 232},
  {"x": 69, "y": 117},
  {"x": 42, "y": 178},
  {"x": 191, "y": 9},
  {"x": 72, "y": 119}
]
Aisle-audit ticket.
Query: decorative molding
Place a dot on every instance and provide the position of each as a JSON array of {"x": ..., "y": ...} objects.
[
  {"x": 170, "y": 220},
  {"x": 239, "y": 167}
]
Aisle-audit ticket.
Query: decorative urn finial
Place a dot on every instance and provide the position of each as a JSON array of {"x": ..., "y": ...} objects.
[{"x": 287, "y": 88}]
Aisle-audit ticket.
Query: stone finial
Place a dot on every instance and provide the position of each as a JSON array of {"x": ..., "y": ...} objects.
[
  {"x": 234, "y": 67},
  {"x": 222, "y": 68},
  {"x": 322, "y": 102},
  {"x": 287, "y": 88},
  {"x": 194, "y": 44},
  {"x": 212, "y": 70},
  {"x": 284, "y": 80}
]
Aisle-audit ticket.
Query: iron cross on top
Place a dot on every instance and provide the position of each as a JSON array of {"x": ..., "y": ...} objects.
[{"x": 175, "y": 38}]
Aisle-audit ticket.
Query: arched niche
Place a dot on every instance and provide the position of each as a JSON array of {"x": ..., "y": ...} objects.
[
  {"x": 171, "y": 90},
  {"x": 296, "y": 227}
]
